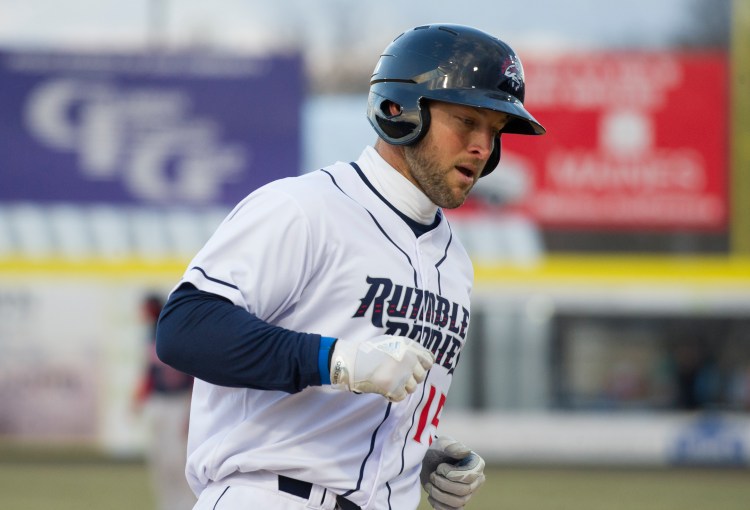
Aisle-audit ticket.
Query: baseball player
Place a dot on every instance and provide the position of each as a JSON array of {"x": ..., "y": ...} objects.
[{"x": 325, "y": 317}]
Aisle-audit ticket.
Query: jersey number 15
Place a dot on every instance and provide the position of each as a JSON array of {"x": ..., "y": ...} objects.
[{"x": 423, "y": 416}]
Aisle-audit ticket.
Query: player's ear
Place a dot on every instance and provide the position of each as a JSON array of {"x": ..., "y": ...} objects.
[{"x": 391, "y": 109}]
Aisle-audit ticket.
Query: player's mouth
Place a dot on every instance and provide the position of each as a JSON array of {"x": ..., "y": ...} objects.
[{"x": 468, "y": 172}]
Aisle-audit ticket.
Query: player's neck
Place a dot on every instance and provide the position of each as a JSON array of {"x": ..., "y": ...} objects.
[
  {"x": 394, "y": 156},
  {"x": 399, "y": 189}
]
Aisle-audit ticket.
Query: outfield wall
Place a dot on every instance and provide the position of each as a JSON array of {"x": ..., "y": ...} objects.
[
  {"x": 72, "y": 341},
  {"x": 72, "y": 348},
  {"x": 533, "y": 438}
]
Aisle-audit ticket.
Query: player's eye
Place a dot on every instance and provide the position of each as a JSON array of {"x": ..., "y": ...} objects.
[{"x": 465, "y": 121}]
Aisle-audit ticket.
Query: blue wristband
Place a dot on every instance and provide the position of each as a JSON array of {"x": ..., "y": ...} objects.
[{"x": 323, "y": 354}]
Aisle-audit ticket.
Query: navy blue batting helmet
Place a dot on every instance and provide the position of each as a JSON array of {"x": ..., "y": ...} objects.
[{"x": 451, "y": 63}]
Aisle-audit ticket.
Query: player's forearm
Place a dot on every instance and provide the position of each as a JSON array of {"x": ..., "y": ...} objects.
[{"x": 210, "y": 338}]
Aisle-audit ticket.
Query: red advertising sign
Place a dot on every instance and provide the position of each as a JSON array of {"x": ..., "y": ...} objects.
[{"x": 634, "y": 141}]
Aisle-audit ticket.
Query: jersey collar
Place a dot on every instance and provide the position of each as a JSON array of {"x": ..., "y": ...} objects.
[{"x": 397, "y": 189}]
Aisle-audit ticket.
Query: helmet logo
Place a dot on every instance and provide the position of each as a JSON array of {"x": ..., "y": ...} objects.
[{"x": 513, "y": 71}]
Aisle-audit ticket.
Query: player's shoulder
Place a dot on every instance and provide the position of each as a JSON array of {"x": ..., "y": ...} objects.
[
  {"x": 303, "y": 194},
  {"x": 314, "y": 186}
]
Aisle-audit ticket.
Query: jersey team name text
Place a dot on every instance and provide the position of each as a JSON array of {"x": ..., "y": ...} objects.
[{"x": 432, "y": 320}]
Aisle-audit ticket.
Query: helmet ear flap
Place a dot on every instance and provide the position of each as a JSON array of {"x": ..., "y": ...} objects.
[
  {"x": 390, "y": 123},
  {"x": 494, "y": 158},
  {"x": 403, "y": 128},
  {"x": 424, "y": 124}
]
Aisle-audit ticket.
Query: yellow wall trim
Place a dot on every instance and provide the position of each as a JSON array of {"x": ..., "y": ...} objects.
[{"x": 569, "y": 269}]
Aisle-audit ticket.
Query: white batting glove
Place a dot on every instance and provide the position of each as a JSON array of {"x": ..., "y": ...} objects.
[
  {"x": 392, "y": 366},
  {"x": 451, "y": 474}
]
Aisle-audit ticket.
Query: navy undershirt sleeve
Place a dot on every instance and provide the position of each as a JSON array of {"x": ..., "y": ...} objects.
[{"x": 209, "y": 337}]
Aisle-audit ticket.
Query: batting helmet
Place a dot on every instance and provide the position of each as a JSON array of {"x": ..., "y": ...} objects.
[{"x": 450, "y": 63}]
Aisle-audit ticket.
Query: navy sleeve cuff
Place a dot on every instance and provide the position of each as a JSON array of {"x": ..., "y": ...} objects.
[{"x": 324, "y": 355}]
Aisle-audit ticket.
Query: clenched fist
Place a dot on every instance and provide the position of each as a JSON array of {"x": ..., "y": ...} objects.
[
  {"x": 451, "y": 474},
  {"x": 391, "y": 366}
]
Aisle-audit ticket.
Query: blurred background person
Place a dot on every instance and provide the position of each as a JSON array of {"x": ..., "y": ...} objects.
[{"x": 163, "y": 399}]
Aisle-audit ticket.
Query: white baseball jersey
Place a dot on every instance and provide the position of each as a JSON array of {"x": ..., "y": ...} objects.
[{"x": 326, "y": 253}]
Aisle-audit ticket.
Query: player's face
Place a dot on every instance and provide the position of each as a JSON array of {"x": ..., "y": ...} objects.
[{"x": 448, "y": 161}]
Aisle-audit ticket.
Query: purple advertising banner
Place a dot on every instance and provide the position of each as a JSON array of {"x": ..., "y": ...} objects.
[{"x": 146, "y": 129}]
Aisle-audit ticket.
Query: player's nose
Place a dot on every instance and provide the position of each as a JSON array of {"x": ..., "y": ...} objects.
[{"x": 481, "y": 143}]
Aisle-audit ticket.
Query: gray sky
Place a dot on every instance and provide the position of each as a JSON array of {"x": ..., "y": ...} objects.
[
  {"x": 340, "y": 39},
  {"x": 322, "y": 25}
]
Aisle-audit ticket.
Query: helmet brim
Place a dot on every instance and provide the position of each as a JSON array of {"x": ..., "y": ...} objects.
[{"x": 522, "y": 122}]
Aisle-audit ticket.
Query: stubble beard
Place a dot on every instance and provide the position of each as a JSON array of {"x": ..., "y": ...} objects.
[{"x": 431, "y": 177}]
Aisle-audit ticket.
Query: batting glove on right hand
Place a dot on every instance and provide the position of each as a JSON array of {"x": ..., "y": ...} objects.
[
  {"x": 451, "y": 474},
  {"x": 391, "y": 366}
]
